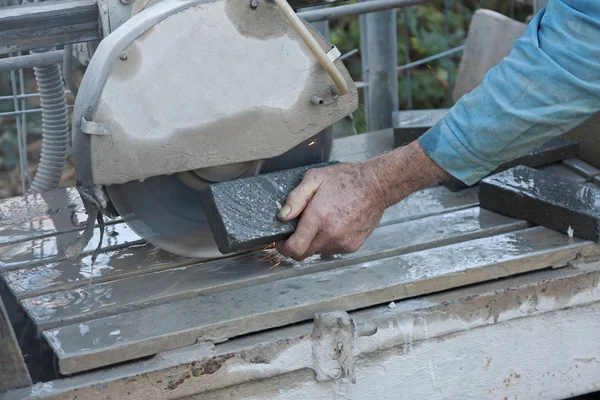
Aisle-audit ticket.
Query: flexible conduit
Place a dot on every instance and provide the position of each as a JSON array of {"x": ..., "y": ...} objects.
[
  {"x": 55, "y": 124},
  {"x": 55, "y": 128}
]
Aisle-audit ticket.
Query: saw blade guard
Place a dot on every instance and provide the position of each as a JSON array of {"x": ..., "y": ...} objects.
[{"x": 186, "y": 87}]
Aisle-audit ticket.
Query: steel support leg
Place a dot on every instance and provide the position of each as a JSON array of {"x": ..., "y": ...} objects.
[{"x": 380, "y": 59}]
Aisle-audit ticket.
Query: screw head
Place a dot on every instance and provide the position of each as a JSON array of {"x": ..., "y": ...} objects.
[
  {"x": 123, "y": 56},
  {"x": 253, "y": 4}
]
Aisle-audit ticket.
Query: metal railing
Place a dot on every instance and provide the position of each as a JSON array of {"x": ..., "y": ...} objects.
[{"x": 378, "y": 52}]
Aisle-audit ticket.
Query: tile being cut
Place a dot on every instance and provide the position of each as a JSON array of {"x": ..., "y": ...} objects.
[
  {"x": 553, "y": 151},
  {"x": 544, "y": 199},
  {"x": 242, "y": 213}
]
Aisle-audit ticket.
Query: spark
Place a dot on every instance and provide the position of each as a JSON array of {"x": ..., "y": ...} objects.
[
  {"x": 275, "y": 265},
  {"x": 270, "y": 246},
  {"x": 267, "y": 257},
  {"x": 311, "y": 143}
]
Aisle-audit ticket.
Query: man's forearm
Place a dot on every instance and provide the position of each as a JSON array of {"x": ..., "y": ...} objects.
[
  {"x": 405, "y": 171},
  {"x": 549, "y": 84}
]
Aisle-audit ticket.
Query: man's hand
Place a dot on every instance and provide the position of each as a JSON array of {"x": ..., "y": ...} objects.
[{"x": 341, "y": 205}]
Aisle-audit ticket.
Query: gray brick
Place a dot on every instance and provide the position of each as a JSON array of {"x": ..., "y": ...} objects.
[
  {"x": 242, "y": 213},
  {"x": 544, "y": 199}
]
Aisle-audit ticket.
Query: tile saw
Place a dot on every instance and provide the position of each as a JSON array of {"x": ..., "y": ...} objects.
[{"x": 185, "y": 93}]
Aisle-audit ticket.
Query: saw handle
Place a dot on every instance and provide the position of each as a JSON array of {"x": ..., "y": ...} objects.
[{"x": 313, "y": 45}]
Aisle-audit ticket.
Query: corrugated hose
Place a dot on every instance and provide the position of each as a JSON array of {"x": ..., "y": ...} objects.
[
  {"x": 55, "y": 128},
  {"x": 55, "y": 125}
]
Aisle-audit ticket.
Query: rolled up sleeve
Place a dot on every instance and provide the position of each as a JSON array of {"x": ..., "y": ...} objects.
[{"x": 547, "y": 85}]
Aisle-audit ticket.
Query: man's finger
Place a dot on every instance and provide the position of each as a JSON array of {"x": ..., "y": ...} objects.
[
  {"x": 300, "y": 196},
  {"x": 318, "y": 243},
  {"x": 297, "y": 244}
]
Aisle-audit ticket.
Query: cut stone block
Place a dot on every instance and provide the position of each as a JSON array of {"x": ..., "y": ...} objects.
[
  {"x": 582, "y": 168},
  {"x": 552, "y": 151},
  {"x": 544, "y": 199},
  {"x": 410, "y": 125},
  {"x": 242, "y": 213}
]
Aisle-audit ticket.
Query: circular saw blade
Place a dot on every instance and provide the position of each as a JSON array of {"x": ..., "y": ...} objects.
[{"x": 166, "y": 213}]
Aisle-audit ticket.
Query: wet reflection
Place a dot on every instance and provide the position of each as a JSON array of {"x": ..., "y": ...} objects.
[
  {"x": 52, "y": 248},
  {"x": 131, "y": 260},
  {"x": 429, "y": 202},
  {"x": 264, "y": 266},
  {"x": 37, "y": 214}
]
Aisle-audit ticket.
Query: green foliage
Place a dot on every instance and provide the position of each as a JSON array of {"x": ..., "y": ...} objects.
[{"x": 429, "y": 85}]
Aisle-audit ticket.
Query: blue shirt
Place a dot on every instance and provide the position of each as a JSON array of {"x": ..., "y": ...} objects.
[{"x": 547, "y": 85}]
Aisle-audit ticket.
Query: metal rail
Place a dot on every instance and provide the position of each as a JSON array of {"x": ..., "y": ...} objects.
[
  {"x": 48, "y": 24},
  {"x": 31, "y": 60},
  {"x": 67, "y": 22},
  {"x": 359, "y": 8},
  {"x": 56, "y": 23}
]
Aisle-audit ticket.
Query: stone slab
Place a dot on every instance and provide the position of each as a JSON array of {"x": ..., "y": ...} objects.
[
  {"x": 242, "y": 213},
  {"x": 136, "y": 259},
  {"x": 560, "y": 170},
  {"x": 431, "y": 201},
  {"x": 582, "y": 168},
  {"x": 544, "y": 199},
  {"x": 564, "y": 286},
  {"x": 219, "y": 316},
  {"x": 555, "y": 150},
  {"x": 109, "y": 298},
  {"x": 410, "y": 125},
  {"x": 141, "y": 259}
]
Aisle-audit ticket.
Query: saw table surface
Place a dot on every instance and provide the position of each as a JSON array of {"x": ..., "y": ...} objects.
[{"x": 137, "y": 301}]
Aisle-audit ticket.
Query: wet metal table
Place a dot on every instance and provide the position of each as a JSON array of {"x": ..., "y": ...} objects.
[{"x": 444, "y": 300}]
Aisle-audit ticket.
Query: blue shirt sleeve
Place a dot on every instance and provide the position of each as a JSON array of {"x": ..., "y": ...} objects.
[{"x": 547, "y": 85}]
